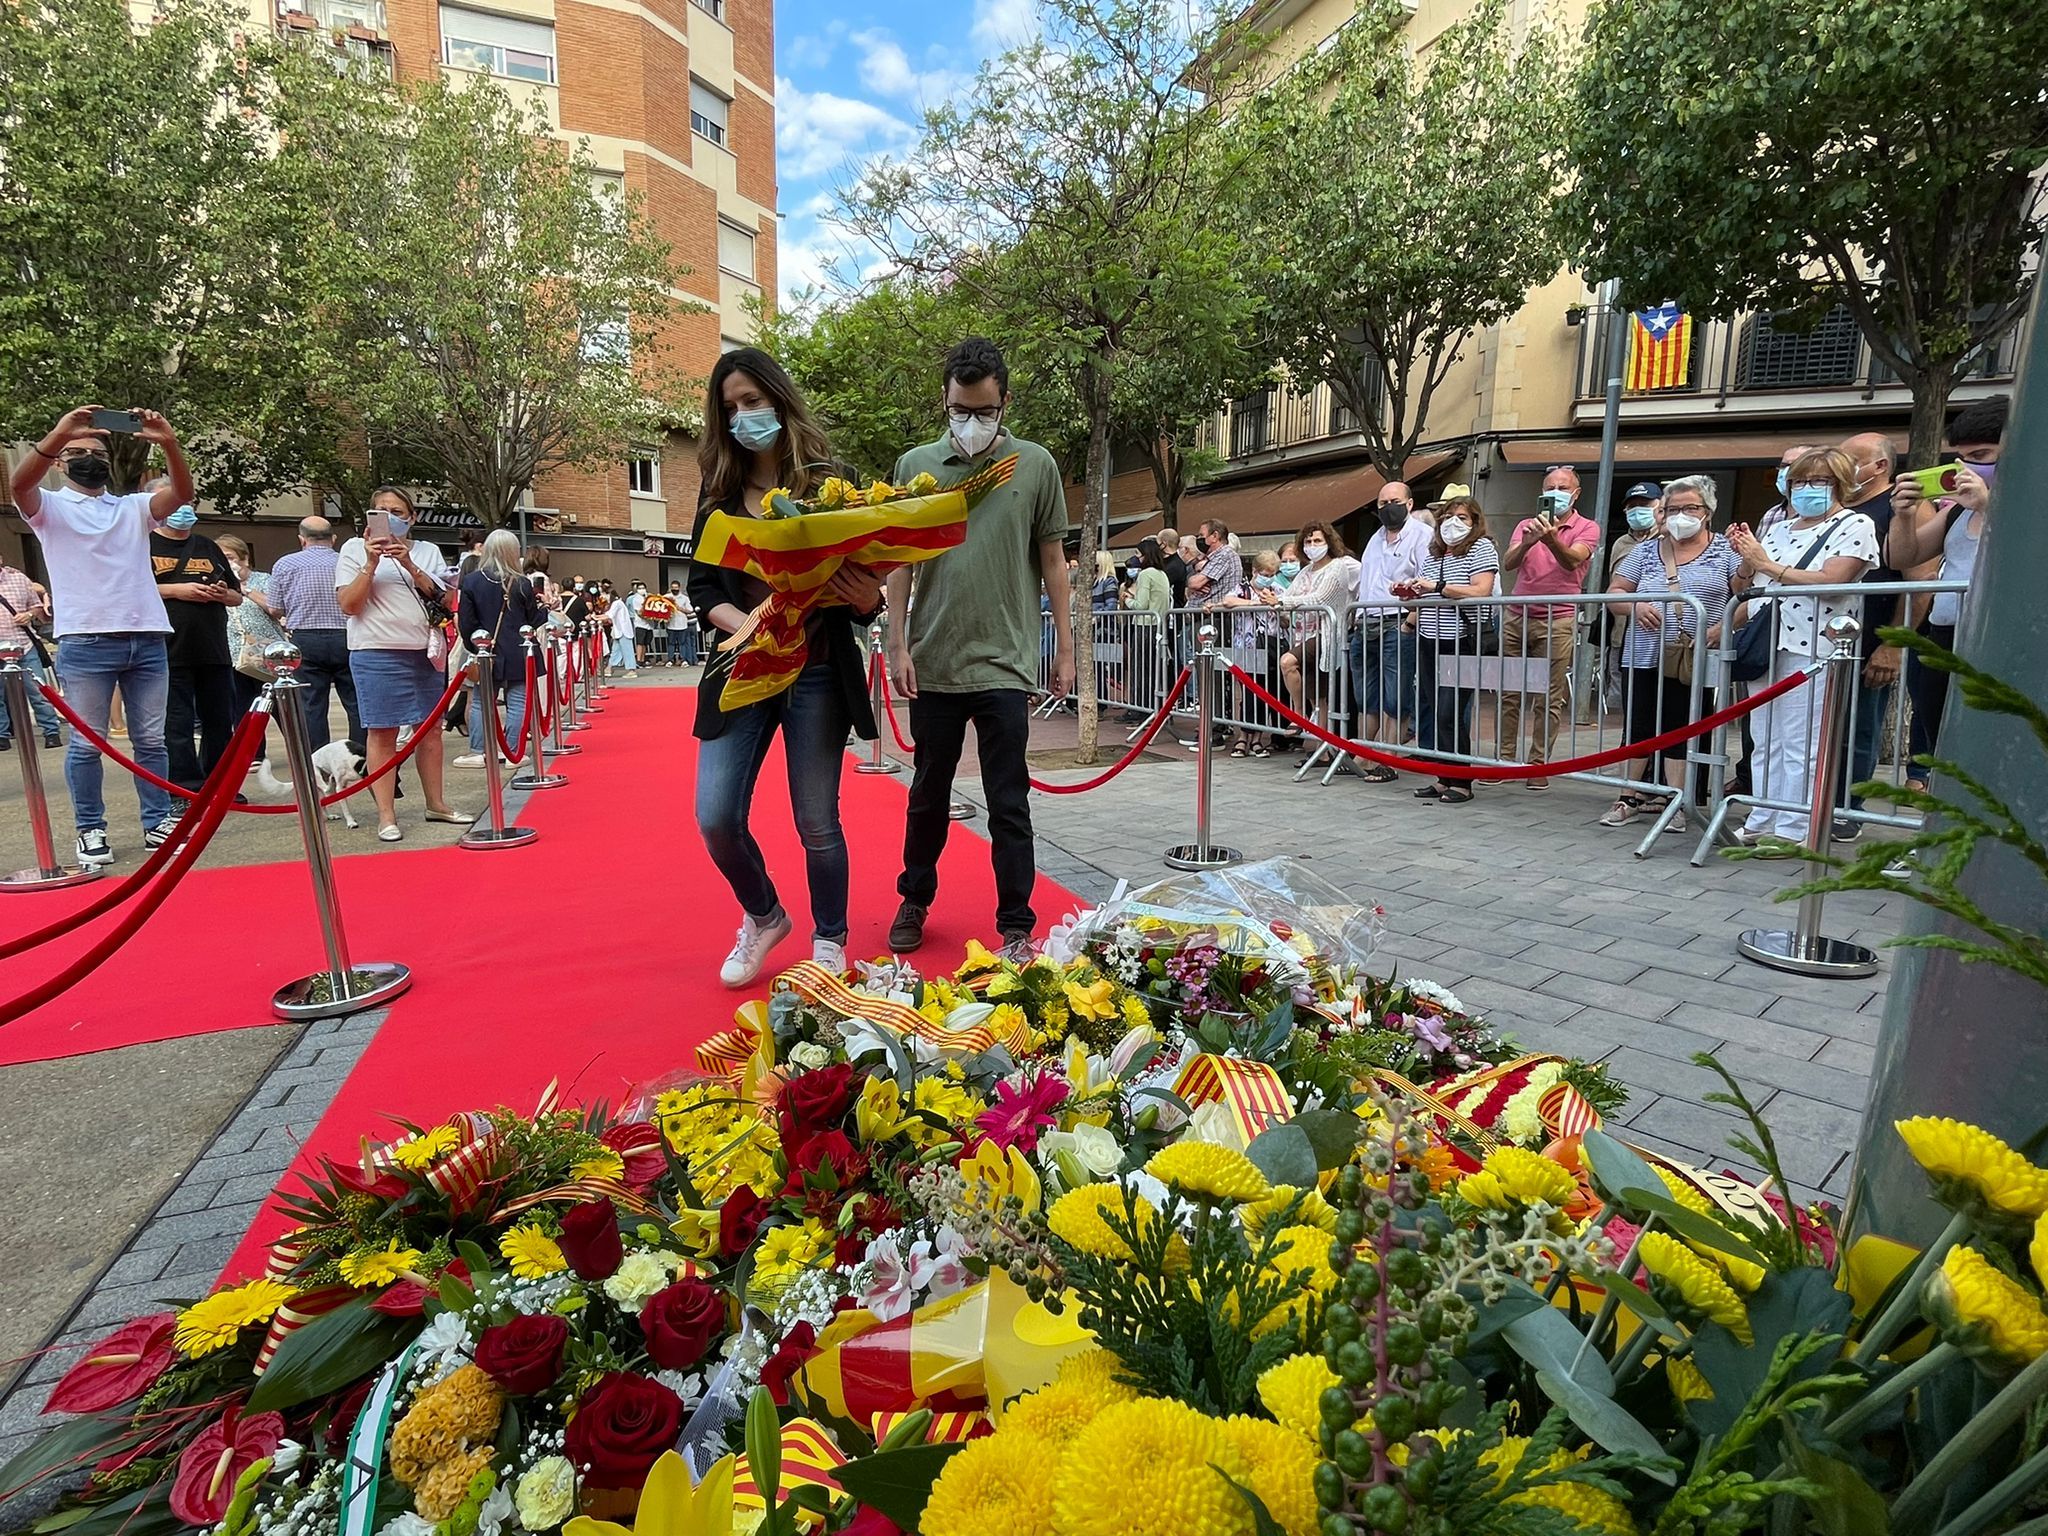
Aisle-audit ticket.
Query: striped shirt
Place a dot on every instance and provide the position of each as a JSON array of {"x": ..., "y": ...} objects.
[
  {"x": 302, "y": 584},
  {"x": 1442, "y": 622},
  {"x": 1708, "y": 576}
]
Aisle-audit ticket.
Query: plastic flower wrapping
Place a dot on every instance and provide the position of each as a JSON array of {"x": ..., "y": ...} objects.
[{"x": 1191, "y": 1224}]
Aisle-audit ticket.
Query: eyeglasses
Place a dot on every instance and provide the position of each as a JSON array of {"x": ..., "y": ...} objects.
[
  {"x": 988, "y": 415},
  {"x": 1696, "y": 510}
]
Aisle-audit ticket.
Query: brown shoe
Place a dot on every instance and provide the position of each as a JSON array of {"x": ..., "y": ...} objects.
[{"x": 906, "y": 934}]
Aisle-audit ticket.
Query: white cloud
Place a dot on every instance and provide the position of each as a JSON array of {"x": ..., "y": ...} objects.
[
  {"x": 886, "y": 70},
  {"x": 1000, "y": 24},
  {"x": 819, "y": 132},
  {"x": 814, "y": 50}
]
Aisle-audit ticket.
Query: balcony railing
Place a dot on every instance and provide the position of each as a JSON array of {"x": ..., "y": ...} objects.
[
  {"x": 1278, "y": 419},
  {"x": 336, "y": 15},
  {"x": 1747, "y": 365}
]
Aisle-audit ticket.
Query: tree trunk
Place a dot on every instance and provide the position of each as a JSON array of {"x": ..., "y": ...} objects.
[
  {"x": 1164, "y": 458},
  {"x": 1930, "y": 412},
  {"x": 1095, "y": 391}
]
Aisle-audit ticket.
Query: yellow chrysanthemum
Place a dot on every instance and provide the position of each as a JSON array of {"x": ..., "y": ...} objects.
[
  {"x": 1279, "y": 1467},
  {"x": 1060, "y": 1411},
  {"x": 1970, "y": 1166},
  {"x": 1685, "y": 1380},
  {"x": 602, "y": 1164},
  {"x": 1149, "y": 1468},
  {"x": 996, "y": 1486},
  {"x": 1220, "y": 1173},
  {"x": 1591, "y": 1509},
  {"x": 1292, "y": 1391},
  {"x": 1747, "y": 1276},
  {"x": 1312, "y": 1211},
  {"x": 1984, "y": 1311},
  {"x": 1079, "y": 1218},
  {"x": 1516, "y": 1176},
  {"x": 416, "y": 1154},
  {"x": 532, "y": 1254},
  {"x": 218, "y": 1321},
  {"x": 1136, "y": 1014},
  {"x": 1697, "y": 1282},
  {"x": 1685, "y": 1194},
  {"x": 1100, "y": 1372},
  {"x": 1301, "y": 1262},
  {"x": 378, "y": 1266},
  {"x": 2038, "y": 1250},
  {"x": 785, "y": 1253}
]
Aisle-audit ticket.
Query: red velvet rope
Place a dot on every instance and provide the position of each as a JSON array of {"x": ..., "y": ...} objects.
[
  {"x": 214, "y": 804},
  {"x": 561, "y": 673},
  {"x": 889, "y": 709},
  {"x": 540, "y": 702},
  {"x": 497, "y": 729},
  {"x": 1137, "y": 748},
  {"x": 120, "y": 890},
  {"x": 1497, "y": 771},
  {"x": 397, "y": 760}
]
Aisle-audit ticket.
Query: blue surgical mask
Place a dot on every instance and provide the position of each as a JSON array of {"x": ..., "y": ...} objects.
[
  {"x": 756, "y": 429},
  {"x": 1811, "y": 500},
  {"x": 400, "y": 526},
  {"x": 1555, "y": 502},
  {"x": 1641, "y": 519},
  {"x": 1262, "y": 581},
  {"x": 183, "y": 518},
  {"x": 1290, "y": 569},
  {"x": 1784, "y": 479}
]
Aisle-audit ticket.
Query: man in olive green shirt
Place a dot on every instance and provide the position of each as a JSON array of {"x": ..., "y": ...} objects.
[{"x": 964, "y": 643}]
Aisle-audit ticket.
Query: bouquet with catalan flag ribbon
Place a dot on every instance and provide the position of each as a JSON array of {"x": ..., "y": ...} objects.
[{"x": 796, "y": 547}]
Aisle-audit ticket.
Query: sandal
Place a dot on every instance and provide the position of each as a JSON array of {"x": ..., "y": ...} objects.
[
  {"x": 1239, "y": 749},
  {"x": 1454, "y": 796},
  {"x": 1260, "y": 749},
  {"x": 1377, "y": 773},
  {"x": 1430, "y": 792}
]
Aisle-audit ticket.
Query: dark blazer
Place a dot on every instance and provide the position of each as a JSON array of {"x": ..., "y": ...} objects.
[
  {"x": 711, "y": 585},
  {"x": 502, "y": 611}
]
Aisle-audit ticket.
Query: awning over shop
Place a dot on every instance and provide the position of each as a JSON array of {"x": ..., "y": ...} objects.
[
  {"x": 1284, "y": 504},
  {"x": 1724, "y": 450}
]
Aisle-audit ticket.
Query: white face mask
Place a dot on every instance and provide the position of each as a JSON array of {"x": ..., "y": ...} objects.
[
  {"x": 1454, "y": 529},
  {"x": 1682, "y": 525},
  {"x": 1315, "y": 549},
  {"x": 972, "y": 433}
]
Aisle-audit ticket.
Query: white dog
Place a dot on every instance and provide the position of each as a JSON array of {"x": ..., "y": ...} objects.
[{"x": 335, "y": 767}]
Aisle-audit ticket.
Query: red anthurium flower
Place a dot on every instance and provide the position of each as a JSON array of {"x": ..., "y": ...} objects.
[
  {"x": 213, "y": 1463},
  {"x": 408, "y": 1298},
  {"x": 119, "y": 1368},
  {"x": 639, "y": 1146},
  {"x": 384, "y": 1184}
]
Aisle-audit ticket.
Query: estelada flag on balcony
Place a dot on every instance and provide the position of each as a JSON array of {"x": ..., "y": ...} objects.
[
  {"x": 795, "y": 548},
  {"x": 1659, "y": 347}
]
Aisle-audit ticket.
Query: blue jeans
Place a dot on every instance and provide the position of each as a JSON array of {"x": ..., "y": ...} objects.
[
  {"x": 622, "y": 653},
  {"x": 515, "y": 716},
  {"x": 46, "y": 717},
  {"x": 812, "y": 715},
  {"x": 1382, "y": 661},
  {"x": 92, "y": 667}
]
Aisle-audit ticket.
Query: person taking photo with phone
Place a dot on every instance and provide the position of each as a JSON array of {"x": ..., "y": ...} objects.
[
  {"x": 110, "y": 618},
  {"x": 198, "y": 587}
]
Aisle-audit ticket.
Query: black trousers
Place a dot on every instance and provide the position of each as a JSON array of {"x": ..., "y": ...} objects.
[
  {"x": 323, "y": 664},
  {"x": 202, "y": 702},
  {"x": 1002, "y": 728}
]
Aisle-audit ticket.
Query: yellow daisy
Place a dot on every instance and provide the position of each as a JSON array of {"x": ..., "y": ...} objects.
[
  {"x": 1592, "y": 1510},
  {"x": 1695, "y": 1281},
  {"x": 378, "y": 1266},
  {"x": 532, "y": 1254},
  {"x": 601, "y": 1164},
  {"x": 418, "y": 1153},
  {"x": 1970, "y": 1167},
  {"x": 1219, "y": 1173},
  {"x": 218, "y": 1321}
]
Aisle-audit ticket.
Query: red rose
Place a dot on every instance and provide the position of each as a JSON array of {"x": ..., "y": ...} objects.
[
  {"x": 814, "y": 1102},
  {"x": 739, "y": 1221},
  {"x": 214, "y": 1462},
  {"x": 797, "y": 1346},
  {"x": 118, "y": 1369},
  {"x": 408, "y": 1298},
  {"x": 523, "y": 1356},
  {"x": 639, "y": 1147},
  {"x": 681, "y": 1322},
  {"x": 590, "y": 1239},
  {"x": 621, "y": 1428}
]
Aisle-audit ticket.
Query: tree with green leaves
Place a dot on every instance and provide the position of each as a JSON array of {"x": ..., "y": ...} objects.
[
  {"x": 1086, "y": 161},
  {"x": 1883, "y": 155},
  {"x": 1403, "y": 204},
  {"x": 154, "y": 250},
  {"x": 495, "y": 312}
]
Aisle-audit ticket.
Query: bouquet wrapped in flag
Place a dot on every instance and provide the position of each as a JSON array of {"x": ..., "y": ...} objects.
[{"x": 795, "y": 547}]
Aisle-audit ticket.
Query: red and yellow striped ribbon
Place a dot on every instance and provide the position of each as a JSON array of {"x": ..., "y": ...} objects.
[
  {"x": 864, "y": 1367},
  {"x": 580, "y": 1192},
  {"x": 295, "y": 1314},
  {"x": 1566, "y": 1112},
  {"x": 809, "y": 1458},
  {"x": 1252, "y": 1091},
  {"x": 949, "y": 1428},
  {"x": 814, "y": 984}
]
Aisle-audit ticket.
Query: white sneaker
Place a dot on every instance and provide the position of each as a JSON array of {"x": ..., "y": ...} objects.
[
  {"x": 830, "y": 955},
  {"x": 93, "y": 849},
  {"x": 751, "y": 949},
  {"x": 468, "y": 760}
]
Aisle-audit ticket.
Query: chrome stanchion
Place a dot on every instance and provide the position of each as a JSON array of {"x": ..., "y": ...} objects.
[
  {"x": 492, "y": 831},
  {"x": 548, "y": 658},
  {"x": 565, "y": 642},
  {"x": 48, "y": 874},
  {"x": 878, "y": 700},
  {"x": 345, "y": 986},
  {"x": 590, "y": 694},
  {"x": 1807, "y": 951},
  {"x": 1201, "y": 853},
  {"x": 536, "y": 775}
]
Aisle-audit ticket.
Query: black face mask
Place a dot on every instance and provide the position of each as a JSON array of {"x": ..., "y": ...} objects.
[
  {"x": 1392, "y": 514},
  {"x": 92, "y": 472}
]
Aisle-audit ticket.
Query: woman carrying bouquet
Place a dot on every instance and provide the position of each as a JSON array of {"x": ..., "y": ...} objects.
[{"x": 759, "y": 436}]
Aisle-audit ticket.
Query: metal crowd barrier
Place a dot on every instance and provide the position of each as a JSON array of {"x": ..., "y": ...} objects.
[{"x": 1880, "y": 733}]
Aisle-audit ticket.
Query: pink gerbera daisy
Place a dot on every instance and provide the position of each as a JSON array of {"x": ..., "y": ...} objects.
[{"x": 1023, "y": 1111}]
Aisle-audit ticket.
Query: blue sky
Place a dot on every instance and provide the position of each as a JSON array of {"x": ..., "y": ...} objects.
[{"x": 853, "y": 78}]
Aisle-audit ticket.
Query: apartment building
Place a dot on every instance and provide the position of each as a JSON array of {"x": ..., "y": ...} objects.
[{"x": 1529, "y": 392}]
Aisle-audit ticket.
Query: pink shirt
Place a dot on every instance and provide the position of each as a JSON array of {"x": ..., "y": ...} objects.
[{"x": 1543, "y": 574}]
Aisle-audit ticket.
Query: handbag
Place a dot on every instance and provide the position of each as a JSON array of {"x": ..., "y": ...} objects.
[
  {"x": 1679, "y": 654},
  {"x": 1756, "y": 642}
]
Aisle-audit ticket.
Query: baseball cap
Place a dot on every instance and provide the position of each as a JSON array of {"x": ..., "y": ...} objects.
[{"x": 1643, "y": 490}]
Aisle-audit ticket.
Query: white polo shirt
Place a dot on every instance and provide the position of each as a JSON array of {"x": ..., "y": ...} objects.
[{"x": 97, "y": 551}]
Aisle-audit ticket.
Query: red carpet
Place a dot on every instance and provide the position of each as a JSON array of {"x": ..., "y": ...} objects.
[{"x": 590, "y": 955}]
